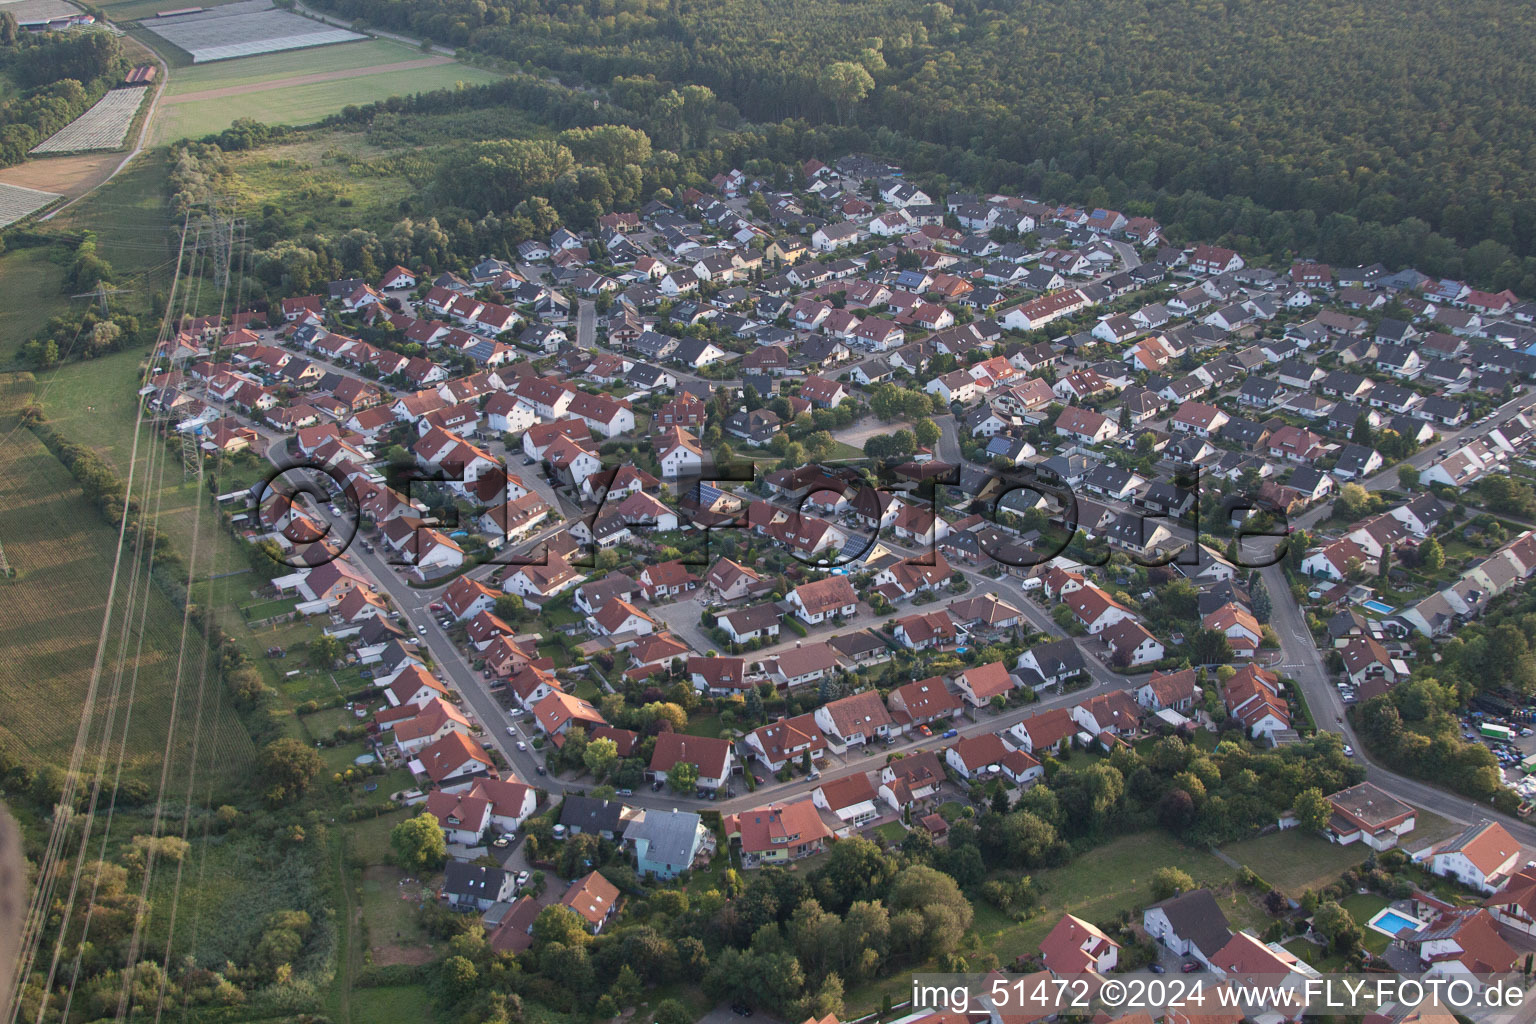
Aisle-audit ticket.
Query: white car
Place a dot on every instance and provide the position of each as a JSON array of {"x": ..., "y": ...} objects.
[
  {"x": 521, "y": 745},
  {"x": 1349, "y": 751},
  {"x": 522, "y": 879},
  {"x": 422, "y": 630},
  {"x": 511, "y": 731}
]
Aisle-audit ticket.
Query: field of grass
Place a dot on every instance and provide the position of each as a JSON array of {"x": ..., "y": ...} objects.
[
  {"x": 133, "y": 233},
  {"x": 1295, "y": 859},
  {"x": 31, "y": 280},
  {"x": 392, "y": 1004},
  {"x": 271, "y": 67},
  {"x": 300, "y": 103},
  {"x": 51, "y": 617},
  {"x": 1098, "y": 885},
  {"x": 127, "y": 10}
]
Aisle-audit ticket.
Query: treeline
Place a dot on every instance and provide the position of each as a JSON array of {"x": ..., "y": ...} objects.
[
  {"x": 60, "y": 75},
  {"x": 475, "y": 198},
  {"x": 1233, "y": 120},
  {"x": 1414, "y": 729}
]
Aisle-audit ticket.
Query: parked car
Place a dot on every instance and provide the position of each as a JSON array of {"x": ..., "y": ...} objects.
[
  {"x": 511, "y": 731},
  {"x": 951, "y": 734},
  {"x": 625, "y": 792},
  {"x": 1157, "y": 968},
  {"x": 1191, "y": 967},
  {"x": 521, "y": 745},
  {"x": 522, "y": 879},
  {"x": 501, "y": 841}
]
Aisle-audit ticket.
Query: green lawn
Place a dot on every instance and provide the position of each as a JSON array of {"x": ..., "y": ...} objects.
[
  {"x": 127, "y": 10},
  {"x": 1098, "y": 885},
  {"x": 51, "y": 616},
  {"x": 703, "y": 725},
  {"x": 1295, "y": 859},
  {"x": 1363, "y": 906},
  {"x": 270, "y": 67},
  {"x": 300, "y": 103},
  {"x": 31, "y": 279},
  {"x": 892, "y": 831},
  {"x": 369, "y": 838},
  {"x": 392, "y": 1004}
]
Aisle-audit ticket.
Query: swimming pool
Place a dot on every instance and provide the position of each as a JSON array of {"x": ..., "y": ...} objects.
[
  {"x": 1380, "y": 608},
  {"x": 1392, "y": 922}
]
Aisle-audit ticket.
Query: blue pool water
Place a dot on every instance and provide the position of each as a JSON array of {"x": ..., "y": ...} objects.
[
  {"x": 1390, "y": 922},
  {"x": 1378, "y": 607}
]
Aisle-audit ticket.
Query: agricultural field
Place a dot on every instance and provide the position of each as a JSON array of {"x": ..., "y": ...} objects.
[
  {"x": 129, "y": 10},
  {"x": 104, "y": 126},
  {"x": 242, "y": 30},
  {"x": 17, "y": 202},
  {"x": 51, "y": 616},
  {"x": 28, "y": 275},
  {"x": 301, "y": 87}
]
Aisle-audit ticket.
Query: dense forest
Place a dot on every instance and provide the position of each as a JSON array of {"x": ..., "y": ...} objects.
[
  {"x": 58, "y": 76},
  {"x": 1213, "y": 115}
]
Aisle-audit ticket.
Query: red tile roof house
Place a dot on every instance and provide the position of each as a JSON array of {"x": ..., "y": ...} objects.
[
  {"x": 1463, "y": 941},
  {"x": 1176, "y": 690},
  {"x": 594, "y": 899},
  {"x": 1514, "y": 906},
  {"x": 1115, "y": 712},
  {"x": 976, "y": 756},
  {"x": 1253, "y": 697},
  {"x": 912, "y": 781},
  {"x": 788, "y": 740},
  {"x": 558, "y": 711},
  {"x": 926, "y": 630},
  {"x": 979, "y": 685},
  {"x": 462, "y": 816},
  {"x": 1095, "y": 609},
  {"x": 851, "y": 798},
  {"x": 854, "y": 720},
  {"x": 1076, "y": 947},
  {"x": 718, "y": 676},
  {"x": 1483, "y": 857},
  {"x": 511, "y": 801},
  {"x": 1295, "y": 445},
  {"x": 1131, "y": 645},
  {"x": 1085, "y": 425},
  {"x": 1045, "y": 732},
  {"x": 466, "y": 598},
  {"x": 1238, "y": 625},
  {"x": 434, "y": 720},
  {"x": 714, "y": 758},
  {"x": 1363, "y": 813},
  {"x": 922, "y": 703},
  {"x": 824, "y": 599},
  {"x": 1198, "y": 418},
  {"x": 1020, "y": 768},
  {"x": 777, "y": 833},
  {"x": 453, "y": 763}
]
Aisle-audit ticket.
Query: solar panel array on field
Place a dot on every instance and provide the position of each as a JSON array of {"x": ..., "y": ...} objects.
[
  {"x": 243, "y": 30},
  {"x": 104, "y": 126},
  {"x": 17, "y": 202}
]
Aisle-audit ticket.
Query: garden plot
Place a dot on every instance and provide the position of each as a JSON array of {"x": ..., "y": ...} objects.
[
  {"x": 104, "y": 126},
  {"x": 17, "y": 202},
  {"x": 242, "y": 30}
]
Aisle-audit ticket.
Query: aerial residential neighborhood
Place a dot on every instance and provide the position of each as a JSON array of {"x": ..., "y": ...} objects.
[{"x": 742, "y": 599}]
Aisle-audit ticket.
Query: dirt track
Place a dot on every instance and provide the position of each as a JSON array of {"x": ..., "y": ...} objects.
[
  {"x": 319, "y": 76},
  {"x": 69, "y": 176}
]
